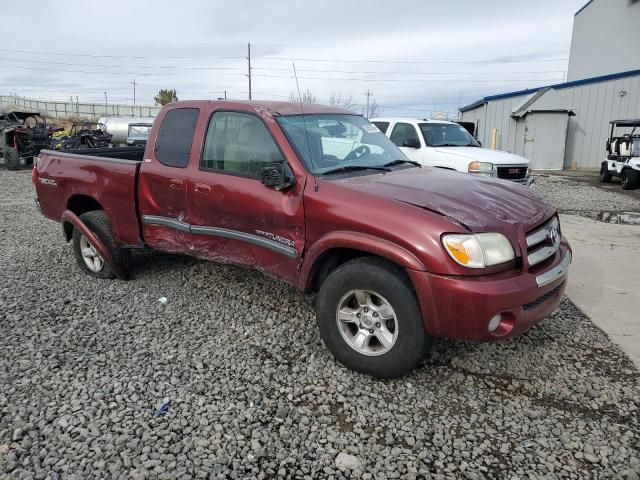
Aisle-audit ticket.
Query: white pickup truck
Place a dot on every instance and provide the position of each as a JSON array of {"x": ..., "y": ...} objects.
[{"x": 448, "y": 145}]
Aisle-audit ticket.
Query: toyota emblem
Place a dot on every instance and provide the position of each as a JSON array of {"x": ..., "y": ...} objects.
[{"x": 552, "y": 235}]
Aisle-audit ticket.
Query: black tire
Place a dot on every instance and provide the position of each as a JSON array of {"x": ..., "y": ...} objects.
[
  {"x": 605, "y": 176},
  {"x": 629, "y": 178},
  {"x": 98, "y": 223},
  {"x": 389, "y": 281},
  {"x": 11, "y": 158}
]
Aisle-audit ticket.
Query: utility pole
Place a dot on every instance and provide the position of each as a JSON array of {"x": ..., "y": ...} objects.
[
  {"x": 248, "y": 57},
  {"x": 368, "y": 94},
  {"x": 106, "y": 104},
  {"x": 134, "y": 83},
  {"x": 225, "y": 94}
]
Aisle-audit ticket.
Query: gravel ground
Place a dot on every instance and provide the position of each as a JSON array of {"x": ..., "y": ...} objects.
[
  {"x": 254, "y": 394},
  {"x": 581, "y": 193}
]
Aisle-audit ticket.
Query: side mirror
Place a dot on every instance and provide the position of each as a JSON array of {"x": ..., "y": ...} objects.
[
  {"x": 479, "y": 142},
  {"x": 277, "y": 175},
  {"x": 411, "y": 143}
]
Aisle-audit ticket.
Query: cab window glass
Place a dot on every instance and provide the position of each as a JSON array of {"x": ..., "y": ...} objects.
[
  {"x": 403, "y": 132},
  {"x": 175, "y": 137},
  {"x": 238, "y": 143}
]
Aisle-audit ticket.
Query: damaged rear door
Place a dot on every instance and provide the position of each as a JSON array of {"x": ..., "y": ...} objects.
[
  {"x": 162, "y": 187},
  {"x": 233, "y": 217}
]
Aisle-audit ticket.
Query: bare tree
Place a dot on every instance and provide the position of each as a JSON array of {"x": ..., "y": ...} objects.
[
  {"x": 305, "y": 97},
  {"x": 374, "y": 110},
  {"x": 341, "y": 99}
]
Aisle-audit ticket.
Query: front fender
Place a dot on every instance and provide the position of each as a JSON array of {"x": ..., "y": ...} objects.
[{"x": 358, "y": 241}]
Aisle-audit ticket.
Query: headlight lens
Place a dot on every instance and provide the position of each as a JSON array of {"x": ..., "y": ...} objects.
[
  {"x": 478, "y": 250},
  {"x": 482, "y": 168}
]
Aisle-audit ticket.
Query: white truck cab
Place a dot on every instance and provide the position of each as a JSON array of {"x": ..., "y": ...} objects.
[{"x": 443, "y": 144}]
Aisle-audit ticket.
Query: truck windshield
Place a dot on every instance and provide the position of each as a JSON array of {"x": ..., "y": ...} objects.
[
  {"x": 447, "y": 135},
  {"x": 340, "y": 143}
]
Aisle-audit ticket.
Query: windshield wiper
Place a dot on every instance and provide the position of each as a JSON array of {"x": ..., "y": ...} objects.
[
  {"x": 351, "y": 168},
  {"x": 400, "y": 162},
  {"x": 454, "y": 145}
]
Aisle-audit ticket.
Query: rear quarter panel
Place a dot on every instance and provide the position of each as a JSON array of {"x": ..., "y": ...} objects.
[{"x": 112, "y": 183}]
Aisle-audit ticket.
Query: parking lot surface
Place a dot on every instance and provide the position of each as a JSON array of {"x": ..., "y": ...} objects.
[{"x": 253, "y": 393}]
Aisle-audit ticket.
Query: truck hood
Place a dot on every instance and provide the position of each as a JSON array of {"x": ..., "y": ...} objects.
[
  {"x": 477, "y": 203},
  {"x": 477, "y": 154}
]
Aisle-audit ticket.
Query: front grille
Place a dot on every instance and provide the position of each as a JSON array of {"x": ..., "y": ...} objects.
[
  {"x": 514, "y": 172},
  {"x": 543, "y": 242},
  {"x": 540, "y": 300}
]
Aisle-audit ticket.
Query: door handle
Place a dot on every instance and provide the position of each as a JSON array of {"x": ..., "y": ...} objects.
[
  {"x": 175, "y": 183},
  {"x": 202, "y": 188}
]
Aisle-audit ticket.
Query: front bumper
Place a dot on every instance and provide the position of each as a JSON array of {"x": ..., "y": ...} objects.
[{"x": 461, "y": 307}]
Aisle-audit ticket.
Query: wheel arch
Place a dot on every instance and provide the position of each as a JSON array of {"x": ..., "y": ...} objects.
[
  {"x": 79, "y": 204},
  {"x": 340, "y": 247}
]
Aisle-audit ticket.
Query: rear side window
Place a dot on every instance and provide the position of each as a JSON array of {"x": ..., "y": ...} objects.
[
  {"x": 238, "y": 144},
  {"x": 382, "y": 126},
  {"x": 175, "y": 137},
  {"x": 403, "y": 132}
]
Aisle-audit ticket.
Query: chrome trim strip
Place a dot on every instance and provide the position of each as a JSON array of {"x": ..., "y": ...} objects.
[
  {"x": 555, "y": 273},
  {"x": 220, "y": 232},
  {"x": 245, "y": 237},
  {"x": 540, "y": 235},
  {"x": 166, "y": 222},
  {"x": 542, "y": 254}
]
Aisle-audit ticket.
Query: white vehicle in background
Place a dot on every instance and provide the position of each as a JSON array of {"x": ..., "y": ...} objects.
[
  {"x": 623, "y": 155},
  {"x": 443, "y": 144}
]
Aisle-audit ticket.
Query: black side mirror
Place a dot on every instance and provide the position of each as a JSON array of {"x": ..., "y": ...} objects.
[
  {"x": 479, "y": 142},
  {"x": 277, "y": 175},
  {"x": 411, "y": 143}
]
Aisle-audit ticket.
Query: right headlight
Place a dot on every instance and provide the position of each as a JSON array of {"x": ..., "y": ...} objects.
[{"x": 478, "y": 250}]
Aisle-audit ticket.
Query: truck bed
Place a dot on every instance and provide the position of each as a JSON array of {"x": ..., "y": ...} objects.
[{"x": 77, "y": 181}]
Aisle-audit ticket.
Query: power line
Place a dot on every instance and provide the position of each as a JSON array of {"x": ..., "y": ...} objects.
[
  {"x": 92, "y": 55},
  {"x": 411, "y": 62},
  {"x": 413, "y": 79},
  {"x": 48, "y": 62}
]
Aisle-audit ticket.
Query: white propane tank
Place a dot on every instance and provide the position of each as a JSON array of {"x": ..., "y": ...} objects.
[{"x": 118, "y": 127}]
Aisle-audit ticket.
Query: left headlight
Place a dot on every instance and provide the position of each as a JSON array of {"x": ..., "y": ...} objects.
[
  {"x": 481, "y": 168},
  {"x": 478, "y": 250}
]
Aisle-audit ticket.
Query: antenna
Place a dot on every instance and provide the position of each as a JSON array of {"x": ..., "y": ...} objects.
[{"x": 306, "y": 133}]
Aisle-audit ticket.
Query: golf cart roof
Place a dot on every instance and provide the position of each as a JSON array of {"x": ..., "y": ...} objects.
[{"x": 626, "y": 123}]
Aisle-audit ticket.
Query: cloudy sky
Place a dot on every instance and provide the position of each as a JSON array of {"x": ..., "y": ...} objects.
[{"x": 416, "y": 57}]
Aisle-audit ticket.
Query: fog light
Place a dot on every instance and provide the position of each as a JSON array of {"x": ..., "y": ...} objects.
[{"x": 494, "y": 323}]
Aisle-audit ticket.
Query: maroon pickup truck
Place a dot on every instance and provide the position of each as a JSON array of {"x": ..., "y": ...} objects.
[{"x": 320, "y": 198}]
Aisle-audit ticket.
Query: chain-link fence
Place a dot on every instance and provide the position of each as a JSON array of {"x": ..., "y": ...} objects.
[{"x": 77, "y": 109}]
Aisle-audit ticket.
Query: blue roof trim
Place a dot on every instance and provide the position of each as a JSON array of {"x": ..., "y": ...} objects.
[
  {"x": 583, "y": 7},
  {"x": 557, "y": 86}
]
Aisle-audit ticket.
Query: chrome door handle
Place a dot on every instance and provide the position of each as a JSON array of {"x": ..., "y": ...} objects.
[{"x": 202, "y": 188}]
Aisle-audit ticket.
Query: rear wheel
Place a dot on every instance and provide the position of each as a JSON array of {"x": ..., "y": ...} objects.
[
  {"x": 88, "y": 258},
  {"x": 11, "y": 158},
  {"x": 370, "y": 320},
  {"x": 629, "y": 179},
  {"x": 605, "y": 176}
]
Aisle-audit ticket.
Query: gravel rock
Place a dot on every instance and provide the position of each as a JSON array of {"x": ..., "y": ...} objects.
[
  {"x": 344, "y": 461},
  {"x": 86, "y": 361}
]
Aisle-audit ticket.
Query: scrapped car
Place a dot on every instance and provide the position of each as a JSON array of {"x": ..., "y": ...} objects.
[
  {"x": 623, "y": 154},
  {"x": 138, "y": 133},
  {"x": 449, "y": 145},
  {"x": 82, "y": 135},
  {"x": 22, "y": 136},
  {"x": 319, "y": 198}
]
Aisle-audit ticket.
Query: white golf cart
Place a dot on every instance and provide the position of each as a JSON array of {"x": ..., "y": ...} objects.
[{"x": 623, "y": 154}]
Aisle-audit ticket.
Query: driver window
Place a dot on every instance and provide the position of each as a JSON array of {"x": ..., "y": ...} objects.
[
  {"x": 238, "y": 143},
  {"x": 403, "y": 132}
]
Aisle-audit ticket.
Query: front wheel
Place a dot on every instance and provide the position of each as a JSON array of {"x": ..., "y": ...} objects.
[
  {"x": 605, "y": 176},
  {"x": 370, "y": 320},
  {"x": 629, "y": 179}
]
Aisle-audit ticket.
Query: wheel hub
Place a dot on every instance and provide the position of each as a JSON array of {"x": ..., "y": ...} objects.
[{"x": 367, "y": 322}]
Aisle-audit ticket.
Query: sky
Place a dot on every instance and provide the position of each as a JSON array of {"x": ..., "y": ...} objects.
[{"x": 415, "y": 58}]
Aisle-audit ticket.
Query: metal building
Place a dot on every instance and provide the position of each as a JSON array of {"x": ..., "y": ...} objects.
[{"x": 565, "y": 125}]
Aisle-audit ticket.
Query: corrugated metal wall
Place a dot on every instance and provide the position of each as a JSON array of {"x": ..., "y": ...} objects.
[{"x": 594, "y": 104}]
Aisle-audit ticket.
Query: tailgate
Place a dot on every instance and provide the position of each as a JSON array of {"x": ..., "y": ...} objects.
[{"x": 82, "y": 183}]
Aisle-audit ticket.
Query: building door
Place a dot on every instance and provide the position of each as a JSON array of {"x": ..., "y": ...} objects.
[{"x": 545, "y": 136}]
